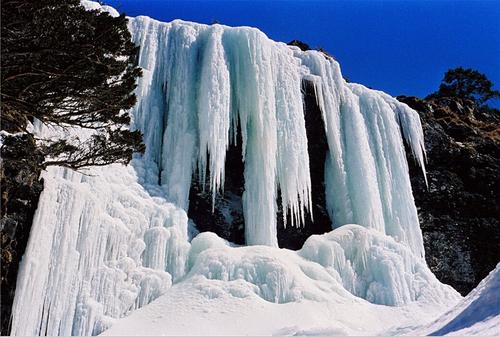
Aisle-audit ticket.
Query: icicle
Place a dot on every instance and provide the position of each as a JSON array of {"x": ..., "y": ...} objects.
[
  {"x": 218, "y": 76},
  {"x": 214, "y": 110},
  {"x": 366, "y": 173},
  {"x": 293, "y": 158},
  {"x": 252, "y": 54}
]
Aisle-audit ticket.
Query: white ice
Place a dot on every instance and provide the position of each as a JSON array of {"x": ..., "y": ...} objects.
[
  {"x": 202, "y": 81},
  {"x": 100, "y": 246}
]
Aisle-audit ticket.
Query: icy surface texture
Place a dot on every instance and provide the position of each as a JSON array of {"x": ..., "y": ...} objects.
[
  {"x": 275, "y": 275},
  {"x": 372, "y": 266},
  {"x": 200, "y": 82},
  {"x": 261, "y": 290},
  {"x": 368, "y": 264},
  {"x": 99, "y": 248},
  {"x": 366, "y": 173}
]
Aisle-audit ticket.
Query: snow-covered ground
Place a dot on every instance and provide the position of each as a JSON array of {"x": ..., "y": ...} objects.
[
  {"x": 477, "y": 314},
  {"x": 233, "y": 309}
]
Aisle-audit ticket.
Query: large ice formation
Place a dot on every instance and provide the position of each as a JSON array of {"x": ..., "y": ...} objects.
[
  {"x": 200, "y": 82},
  {"x": 108, "y": 241},
  {"x": 100, "y": 247}
]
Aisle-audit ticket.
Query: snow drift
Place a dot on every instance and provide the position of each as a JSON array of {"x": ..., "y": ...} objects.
[
  {"x": 477, "y": 314},
  {"x": 110, "y": 241}
]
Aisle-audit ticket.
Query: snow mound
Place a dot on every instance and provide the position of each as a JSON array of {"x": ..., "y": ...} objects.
[
  {"x": 362, "y": 261},
  {"x": 275, "y": 275},
  {"x": 476, "y": 314},
  {"x": 373, "y": 266},
  {"x": 231, "y": 290}
]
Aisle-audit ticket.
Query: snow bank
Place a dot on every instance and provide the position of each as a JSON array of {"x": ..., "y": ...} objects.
[
  {"x": 374, "y": 267},
  {"x": 275, "y": 275},
  {"x": 477, "y": 314},
  {"x": 260, "y": 290},
  {"x": 362, "y": 261}
]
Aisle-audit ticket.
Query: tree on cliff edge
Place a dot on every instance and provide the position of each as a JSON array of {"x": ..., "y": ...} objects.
[
  {"x": 69, "y": 67},
  {"x": 467, "y": 83}
]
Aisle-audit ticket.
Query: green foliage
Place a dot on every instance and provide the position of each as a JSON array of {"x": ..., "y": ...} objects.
[
  {"x": 467, "y": 83},
  {"x": 69, "y": 67}
]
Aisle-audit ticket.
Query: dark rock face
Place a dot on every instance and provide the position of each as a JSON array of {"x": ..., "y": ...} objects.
[
  {"x": 225, "y": 215},
  {"x": 460, "y": 211},
  {"x": 21, "y": 188}
]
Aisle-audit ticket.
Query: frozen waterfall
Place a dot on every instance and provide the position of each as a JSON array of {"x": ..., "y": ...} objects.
[
  {"x": 105, "y": 244},
  {"x": 200, "y": 82}
]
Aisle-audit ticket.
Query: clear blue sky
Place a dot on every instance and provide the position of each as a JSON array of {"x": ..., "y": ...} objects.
[{"x": 401, "y": 47}]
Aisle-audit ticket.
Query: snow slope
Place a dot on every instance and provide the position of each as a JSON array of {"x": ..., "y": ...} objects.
[
  {"x": 106, "y": 242},
  {"x": 477, "y": 314}
]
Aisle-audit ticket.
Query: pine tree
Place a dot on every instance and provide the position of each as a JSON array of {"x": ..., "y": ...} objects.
[
  {"x": 69, "y": 67},
  {"x": 469, "y": 84}
]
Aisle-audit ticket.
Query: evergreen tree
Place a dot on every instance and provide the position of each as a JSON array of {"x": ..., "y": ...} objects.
[
  {"x": 69, "y": 67},
  {"x": 469, "y": 84}
]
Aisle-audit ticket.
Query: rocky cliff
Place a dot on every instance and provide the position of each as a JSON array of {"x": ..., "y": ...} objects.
[{"x": 460, "y": 209}]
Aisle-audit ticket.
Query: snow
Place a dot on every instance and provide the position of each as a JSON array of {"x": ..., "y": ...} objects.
[
  {"x": 91, "y": 5},
  {"x": 476, "y": 314},
  {"x": 372, "y": 266},
  {"x": 261, "y": 290},
  {"x": 115, "y": 241}
]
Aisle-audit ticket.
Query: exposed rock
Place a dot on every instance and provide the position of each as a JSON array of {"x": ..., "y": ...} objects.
[
  {"x": 302, "y": 45},
  {"x": 225, "y": 215},
  {"x": 21, "y": 188},
  {"x": 460, "y": 210}
]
